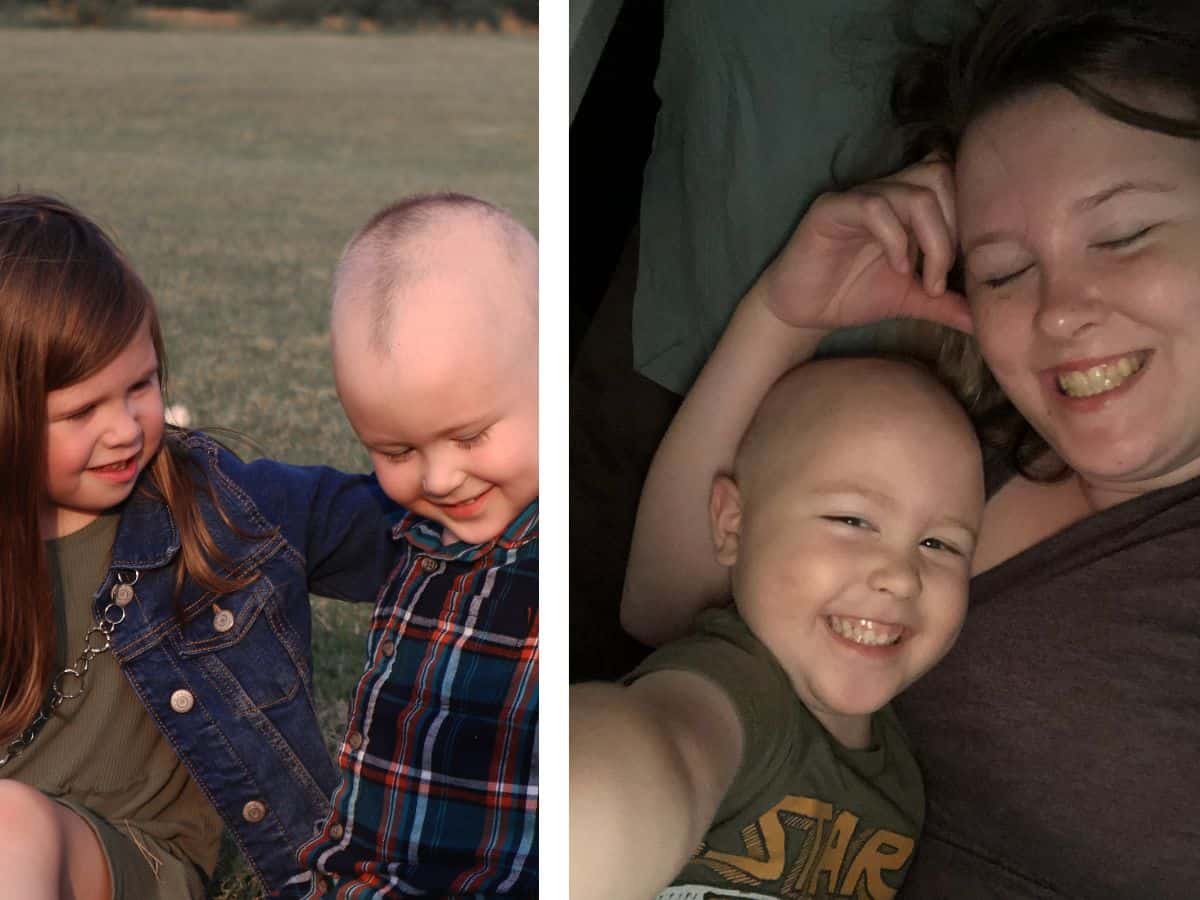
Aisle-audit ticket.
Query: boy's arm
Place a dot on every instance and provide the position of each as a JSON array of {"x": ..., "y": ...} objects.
[
  {"x": 650, "y": 764},
  {"x": 672, "y": 572},
  {"x": 849, "y": 262}
]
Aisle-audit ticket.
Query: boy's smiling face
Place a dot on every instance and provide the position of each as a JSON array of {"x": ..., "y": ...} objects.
[
  {"x": 440, "y": 383},
  {"x": 459, "y": 447},
  {"x": 851, "y": 534}
]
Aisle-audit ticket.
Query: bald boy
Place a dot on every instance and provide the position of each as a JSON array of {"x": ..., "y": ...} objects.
[
  {"x": 764, "y": 737},
  {"x": 434, "y": 338}
]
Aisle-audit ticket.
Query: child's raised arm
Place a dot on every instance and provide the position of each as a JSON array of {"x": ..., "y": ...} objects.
[
  {"x": 851, "y": 261},
  {"x": 650, "y": 764}
]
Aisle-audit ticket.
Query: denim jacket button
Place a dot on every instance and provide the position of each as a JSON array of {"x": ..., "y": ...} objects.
[
  {"x": 428, "y": 563},
  {"x": 222, "y": 619},
  {"x": 254, "y": 811},
  {"x": 182, "y": 701},
  {"x": 355, "y": 740},
  {"x": 337, "y": 831},
  {"x": 387, "y": 648}
]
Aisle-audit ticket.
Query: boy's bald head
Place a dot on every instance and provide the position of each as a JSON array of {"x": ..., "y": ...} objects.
[
  {"x": 428, "y": 241},
  {"x": 434, "y": 332},
  {"x": 824, "y": 398}
]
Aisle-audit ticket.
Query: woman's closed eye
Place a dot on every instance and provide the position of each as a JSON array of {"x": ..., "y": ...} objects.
[
  {"x": 997, "y": 281},
  {"x": 1127, "y": 240}
]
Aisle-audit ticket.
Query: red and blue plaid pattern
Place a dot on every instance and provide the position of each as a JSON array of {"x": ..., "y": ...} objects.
[{"x": 438, "y": 792}]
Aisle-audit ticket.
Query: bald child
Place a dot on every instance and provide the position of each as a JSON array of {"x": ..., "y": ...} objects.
[
  {"x": 434, "y": 336},
  {"x": 757, "y": 757}
]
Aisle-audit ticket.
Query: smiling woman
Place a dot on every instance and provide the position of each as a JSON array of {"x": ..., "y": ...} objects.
[
  {"x": 1057, "y": 145},
  {"x": 1080, "y": 235}
]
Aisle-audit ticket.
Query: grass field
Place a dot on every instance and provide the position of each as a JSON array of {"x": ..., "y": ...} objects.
[{"x": 232, "y": 167}]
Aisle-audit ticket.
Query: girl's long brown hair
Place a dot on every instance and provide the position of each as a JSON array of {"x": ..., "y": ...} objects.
[{"x": 69, "y": 304}]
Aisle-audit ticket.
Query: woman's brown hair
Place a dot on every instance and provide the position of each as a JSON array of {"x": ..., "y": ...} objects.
[{"x": 69, "y": 304}]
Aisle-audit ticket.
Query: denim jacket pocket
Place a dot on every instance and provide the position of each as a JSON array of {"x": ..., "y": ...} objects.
[{"x": 245, "y": 633}]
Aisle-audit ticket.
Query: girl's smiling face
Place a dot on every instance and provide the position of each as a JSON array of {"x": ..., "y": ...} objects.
[
  {"x": 101, "y": 434},
  {"x": 1081, "y": 237}
]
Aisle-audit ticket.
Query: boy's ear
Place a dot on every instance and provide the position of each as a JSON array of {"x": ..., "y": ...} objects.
[{"x": 725, "y": 519}]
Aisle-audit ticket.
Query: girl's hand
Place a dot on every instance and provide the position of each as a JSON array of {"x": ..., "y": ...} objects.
[{"x": 853, "y": 258}]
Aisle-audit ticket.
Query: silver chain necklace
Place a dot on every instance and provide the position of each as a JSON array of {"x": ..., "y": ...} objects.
[{"x": 68, "y": 684}]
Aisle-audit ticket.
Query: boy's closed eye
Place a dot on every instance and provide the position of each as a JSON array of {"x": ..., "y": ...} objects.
[{"x": 473, "y": 440}]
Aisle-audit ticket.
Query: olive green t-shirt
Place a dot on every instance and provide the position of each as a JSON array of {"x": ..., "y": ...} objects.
[
  {"x": 804, "y": 817},
  {"x": 102, "y": 750}
]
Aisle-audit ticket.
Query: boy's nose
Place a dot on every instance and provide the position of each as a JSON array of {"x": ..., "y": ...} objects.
[
  {"x": 440, "y": 477},
  {"x": 896, "y": 575}
]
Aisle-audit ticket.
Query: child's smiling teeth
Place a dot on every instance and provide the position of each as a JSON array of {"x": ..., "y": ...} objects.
[
  {"x": 866, "y": 631},
  {"x": 1098, "y": 379}
]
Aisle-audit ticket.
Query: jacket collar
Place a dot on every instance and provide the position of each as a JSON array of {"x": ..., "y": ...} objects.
[{"x": 146, "y": 536}]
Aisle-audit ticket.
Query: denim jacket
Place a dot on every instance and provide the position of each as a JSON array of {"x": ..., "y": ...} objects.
[{"x": 228, "y": 679}]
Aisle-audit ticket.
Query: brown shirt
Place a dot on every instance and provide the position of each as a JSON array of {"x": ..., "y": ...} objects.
[
  {"x": 1059, "y": 737},
  {"x": 102, "y": 750}
]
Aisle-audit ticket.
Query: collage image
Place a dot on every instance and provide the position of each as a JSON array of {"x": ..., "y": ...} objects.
[{"x": 859, "y": 416}]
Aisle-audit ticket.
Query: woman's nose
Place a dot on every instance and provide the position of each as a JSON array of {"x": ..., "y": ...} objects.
[{"x": 1068, "y": 306}]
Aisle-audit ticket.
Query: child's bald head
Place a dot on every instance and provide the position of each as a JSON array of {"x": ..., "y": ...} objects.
[
  {"x": 434, "y": 332},
  {"x": 849, "y": 526}
]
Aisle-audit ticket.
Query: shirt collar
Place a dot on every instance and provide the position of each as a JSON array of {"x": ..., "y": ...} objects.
[{"x": 426, "y": 535}]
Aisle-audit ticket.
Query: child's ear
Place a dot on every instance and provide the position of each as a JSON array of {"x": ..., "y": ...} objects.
[{"x": 725, "y": 519}]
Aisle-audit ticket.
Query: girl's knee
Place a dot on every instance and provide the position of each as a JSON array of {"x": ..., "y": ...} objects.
[{"x": 30, "y": 819}]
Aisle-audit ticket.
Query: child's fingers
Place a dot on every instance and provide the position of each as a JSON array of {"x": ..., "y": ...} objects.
[
  {"x": 949, "y": 308},
  {"x": 920, "y": 213},
  {"x": 879, "y": 217}
]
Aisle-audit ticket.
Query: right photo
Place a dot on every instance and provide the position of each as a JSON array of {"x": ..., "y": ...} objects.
[{"x": 884, "y": 449}]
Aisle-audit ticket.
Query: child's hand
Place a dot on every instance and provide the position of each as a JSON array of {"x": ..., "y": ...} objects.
[{"x": 853, "y": 258}]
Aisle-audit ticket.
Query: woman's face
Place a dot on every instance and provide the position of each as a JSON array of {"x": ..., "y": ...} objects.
[{"x": 1081, "y": 236}]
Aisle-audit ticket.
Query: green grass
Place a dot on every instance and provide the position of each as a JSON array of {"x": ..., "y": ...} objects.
[{"x": 232, "y": 167}]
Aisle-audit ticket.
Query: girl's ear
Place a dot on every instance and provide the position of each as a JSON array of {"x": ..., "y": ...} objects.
[{"x": 725, "y": 519}]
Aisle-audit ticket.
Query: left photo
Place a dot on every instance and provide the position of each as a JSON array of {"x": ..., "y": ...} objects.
[{"x": 269, "y": 618}]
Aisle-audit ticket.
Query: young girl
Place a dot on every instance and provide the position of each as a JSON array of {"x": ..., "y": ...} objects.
[{"x": 155, "y": 660}]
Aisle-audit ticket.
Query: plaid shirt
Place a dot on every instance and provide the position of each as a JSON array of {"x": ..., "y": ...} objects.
[{"x": 438, "y": 791}]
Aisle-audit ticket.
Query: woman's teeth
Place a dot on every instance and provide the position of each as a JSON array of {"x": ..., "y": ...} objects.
[
  {"x": 1098, "y": 379},
  {"x": 866, "y": 631}
]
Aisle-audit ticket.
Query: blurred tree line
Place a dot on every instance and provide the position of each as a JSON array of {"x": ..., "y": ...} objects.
[{"x": 388, "y": 13}]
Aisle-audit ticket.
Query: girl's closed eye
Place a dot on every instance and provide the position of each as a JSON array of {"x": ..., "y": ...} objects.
[{"x": 80, "y": 414}]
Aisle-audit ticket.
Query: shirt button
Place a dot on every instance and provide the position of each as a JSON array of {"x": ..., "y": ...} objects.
[
  {"x": 182, "y": 701},
  {"x": 355, "y": 740},
  {"x": 254, "y": 811},
  {"x": 428, "y": 563},
  {"x": 337, "y": 831},
  {"x": 387, "y": 648}
]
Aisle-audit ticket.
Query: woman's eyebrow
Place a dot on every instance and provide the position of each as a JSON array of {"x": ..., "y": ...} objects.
[{"x": 1091, "y": 201}]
